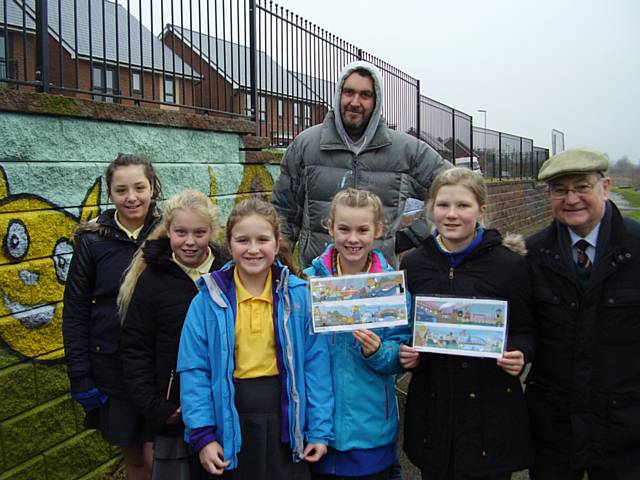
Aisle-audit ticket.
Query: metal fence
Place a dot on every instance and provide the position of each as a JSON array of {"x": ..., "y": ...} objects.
[{"x": 236, "y": 57}]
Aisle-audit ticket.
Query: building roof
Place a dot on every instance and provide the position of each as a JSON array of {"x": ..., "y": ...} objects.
[
  {"x": 82, "y": 34},
  {"x": 14, "y": 16},
  {"x": 272, "y": 78}
]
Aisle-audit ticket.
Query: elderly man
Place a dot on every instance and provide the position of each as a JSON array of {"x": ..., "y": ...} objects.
[
  {"x": 353, "y": 147},
  {"x": 583, "y": 391}
]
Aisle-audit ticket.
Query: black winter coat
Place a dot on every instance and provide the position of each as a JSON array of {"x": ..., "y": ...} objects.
[
  {"x": 151, "y": 333},
  {"x": 90, "y": 323},
  {"x": 469, "y": 407},
  {"x": 583, "y": 391}
]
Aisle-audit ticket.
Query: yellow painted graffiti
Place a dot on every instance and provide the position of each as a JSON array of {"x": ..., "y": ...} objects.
[
  {"x": 35, "y": 256},
  {"x": 34, "y": 261},
  {"x": 255, "y": 180}
]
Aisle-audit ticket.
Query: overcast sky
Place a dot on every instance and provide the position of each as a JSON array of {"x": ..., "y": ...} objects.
[{"x": 534, "y": 65}]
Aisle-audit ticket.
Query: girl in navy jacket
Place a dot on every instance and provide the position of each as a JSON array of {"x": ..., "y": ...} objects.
[
  {"x": 103, "y": 249},
  {"x": 153, "y": 302}
]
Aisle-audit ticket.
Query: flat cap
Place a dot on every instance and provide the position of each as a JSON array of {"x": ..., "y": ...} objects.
[{"x": 577, "y": 161}]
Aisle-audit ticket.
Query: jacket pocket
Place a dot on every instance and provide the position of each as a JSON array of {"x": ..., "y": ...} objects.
[
  {"x": 552, "y": 313},
  {"x": 386, "y": 401},
  {"x": 619, "y": 322},
  {"x": 622, "y": 297},
  {"x": 546, "y": 295},
  {"x": 623, "y": 422}
]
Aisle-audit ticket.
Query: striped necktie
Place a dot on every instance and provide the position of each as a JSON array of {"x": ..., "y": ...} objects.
[{"x": 582, "y": 259}]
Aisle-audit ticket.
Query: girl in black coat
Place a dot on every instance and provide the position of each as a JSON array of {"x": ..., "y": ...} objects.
[
  {"x": 103, "y": 249},
  {"x": 465, "y": 416},
  {"x": 153, "y": 301}
]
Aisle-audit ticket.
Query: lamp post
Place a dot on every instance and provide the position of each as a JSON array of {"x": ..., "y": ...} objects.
[{"x": 484, "y": 147}]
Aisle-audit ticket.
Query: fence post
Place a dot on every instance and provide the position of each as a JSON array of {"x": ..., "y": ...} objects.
[
  {"x": 499, "y": 155},
  {"x": 360, "y": 54},
  {"x": 42, "y": 45},
  {"x": 472, "y": 153},
  {"x": 521, "y": 158},
  {"x": 453, "y": 136},
  {"x": 253, "y": 83},
  {"x": 418, "y": 134}
]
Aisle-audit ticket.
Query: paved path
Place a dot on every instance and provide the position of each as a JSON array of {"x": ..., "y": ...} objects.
[{"x": 621, "y": 202}]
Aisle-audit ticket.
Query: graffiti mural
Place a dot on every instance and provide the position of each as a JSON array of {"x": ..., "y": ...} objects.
[{"x": 34, "y": 261}]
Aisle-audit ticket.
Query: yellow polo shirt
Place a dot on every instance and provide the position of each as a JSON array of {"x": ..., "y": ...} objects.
[
  {"x": 255, "y": 347},
  {"x": 197, "y": 272}
]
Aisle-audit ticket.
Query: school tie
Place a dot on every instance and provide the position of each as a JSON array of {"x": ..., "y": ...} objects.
[{"x": 582, "y": 259}]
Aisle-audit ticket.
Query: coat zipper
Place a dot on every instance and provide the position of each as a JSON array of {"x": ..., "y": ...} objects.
[
  {"x": 450, "y": 273},
  {"x": 172, "y": 376}
]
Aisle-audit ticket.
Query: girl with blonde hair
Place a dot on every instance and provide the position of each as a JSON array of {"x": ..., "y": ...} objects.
[{"x": 153, "y": 301}]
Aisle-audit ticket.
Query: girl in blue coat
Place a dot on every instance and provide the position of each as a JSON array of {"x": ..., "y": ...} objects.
[
  {"x": 363, "y": 363},
  {"x": 255, "y": 383}
]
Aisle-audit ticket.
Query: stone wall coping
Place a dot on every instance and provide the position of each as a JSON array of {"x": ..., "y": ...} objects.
[{"x": 59, "y": 105}]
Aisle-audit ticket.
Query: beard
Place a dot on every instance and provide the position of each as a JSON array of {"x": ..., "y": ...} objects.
[{"x": 355, "y": 127}]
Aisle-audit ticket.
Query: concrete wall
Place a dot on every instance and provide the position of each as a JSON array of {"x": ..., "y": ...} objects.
[{"x": 51, "y": 170}]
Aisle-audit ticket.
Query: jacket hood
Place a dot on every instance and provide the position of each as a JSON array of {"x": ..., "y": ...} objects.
[
  {"x": 105, "y": 223},
  {"x": 221, "y": 281},
  {"x": 158, "y": 252},
  {"x": 492, "y": 238},
  {"x": 378, "y": 86},
  {"x": 515, "y": 242},
  {"x": 323, "y": 264}
]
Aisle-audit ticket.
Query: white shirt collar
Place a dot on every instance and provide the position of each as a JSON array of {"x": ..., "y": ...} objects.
[{"x": 592, "y": 240}]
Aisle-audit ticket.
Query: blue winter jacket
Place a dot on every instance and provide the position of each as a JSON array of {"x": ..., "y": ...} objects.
[
  {"x": 206, "y": 363},
  {"x": 366, "y": 414}
]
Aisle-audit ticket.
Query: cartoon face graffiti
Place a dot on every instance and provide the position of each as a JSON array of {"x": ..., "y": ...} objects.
[{"x": 34, "y": 262}]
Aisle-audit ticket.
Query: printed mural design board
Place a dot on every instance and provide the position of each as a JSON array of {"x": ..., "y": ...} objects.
[
  {"x": 351, "y": 302},
  {"x": 460, "y": 326}
]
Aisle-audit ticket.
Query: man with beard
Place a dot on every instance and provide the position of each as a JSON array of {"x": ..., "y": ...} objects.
[{"x": 353, "y": 147}]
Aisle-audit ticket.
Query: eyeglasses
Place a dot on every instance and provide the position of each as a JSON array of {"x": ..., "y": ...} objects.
[{"x": 559, "y": 192}]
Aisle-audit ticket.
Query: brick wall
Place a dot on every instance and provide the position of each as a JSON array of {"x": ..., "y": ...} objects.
[{"x": 517, "y": 206}]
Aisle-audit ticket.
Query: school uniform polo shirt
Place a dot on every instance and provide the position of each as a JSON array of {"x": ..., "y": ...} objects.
[
  {"x": 133, "y": 235},
  {"x": 255, "y": 347},
  {"x": 196, "y": 272}
]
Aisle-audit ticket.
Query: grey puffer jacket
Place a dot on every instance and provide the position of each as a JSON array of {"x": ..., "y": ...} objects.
[{"x": 317, "y": 165}]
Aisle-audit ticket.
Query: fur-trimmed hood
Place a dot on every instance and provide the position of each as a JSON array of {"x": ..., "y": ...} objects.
[
  {"x": 105, "y": 224},
  {"x": 515, "y": 242}
]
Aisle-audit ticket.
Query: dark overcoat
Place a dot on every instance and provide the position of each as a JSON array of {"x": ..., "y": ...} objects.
[
  {"x": 151, "y": 333},
  {"x": 469, "y": 407},
  {"x": 583, "y": 391},
  {"x": 90, "y": 322}
]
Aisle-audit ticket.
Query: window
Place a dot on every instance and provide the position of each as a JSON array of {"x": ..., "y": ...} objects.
[
  {"x": 136, "y": 82},
  {"x": 3, "y": 56},
  {"x": 307, "y": 116},
  {"x": 104, "y": 80},
  {"x": 280, "y": 107},
  {"x": 296, "y": 114},
  {"x": 169, "y": 90},
  {"x": 262, "y": 101},
  {"x": 8, "y": 65},
  {"x": 248, "y": 109}
]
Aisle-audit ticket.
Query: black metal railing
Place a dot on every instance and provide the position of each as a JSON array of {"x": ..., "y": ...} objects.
[
  {"x": 239, "y": 57},
  {"x": 8, "y": 72}
]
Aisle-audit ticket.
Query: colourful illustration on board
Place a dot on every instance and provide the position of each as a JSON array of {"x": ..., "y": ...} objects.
[
  {"x": 460, "y": 326},
  {"x": 351, "y": 302}
]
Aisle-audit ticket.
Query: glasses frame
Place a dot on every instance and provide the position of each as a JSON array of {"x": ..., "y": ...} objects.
[{"x": 559, "y": 192}]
